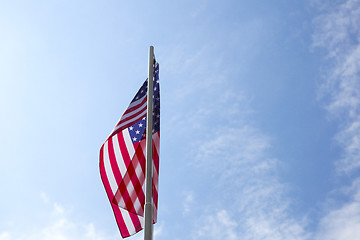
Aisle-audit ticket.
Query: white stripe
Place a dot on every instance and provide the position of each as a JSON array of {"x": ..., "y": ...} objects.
[
  {"x": 118, "y": 156},
  {"x": 129, "y": 145},
  {"x": 138, "y": 207},
  {"x": 155, "y": 178},
  {"x": 142, "y": 222},
  {"x": 156, "y": 139},
  {"x": 134, "y": 111},
  {"x": 122, "y": 202},
  {"x": 131, "y": 190},
  {"x": 139, "y": 172},
  {"x": 143, "y": 147},
  {"x": 129, "y": 224},
  {"x": 130, "y": 120},
  {"x": 108, "y": 169},
  {"x": 137, "y": 102}
]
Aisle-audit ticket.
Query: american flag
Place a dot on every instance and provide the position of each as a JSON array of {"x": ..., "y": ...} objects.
[{"x": 122, "y": 161}]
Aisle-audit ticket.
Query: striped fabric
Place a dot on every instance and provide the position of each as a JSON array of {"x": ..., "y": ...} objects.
[{"x": 122, "y": 162}]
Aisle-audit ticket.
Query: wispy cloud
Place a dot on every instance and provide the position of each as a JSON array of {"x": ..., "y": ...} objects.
[
  {"x": 253, "y": 203},
  {"x": 56, "y": 225},
  {"x": 219, "y": 224},
  {"x": 343, "y": 222},
  {"x": 247, "y": 200},
  {"x": 337, "y": 31},
  {"x": 187, "y": 202}
]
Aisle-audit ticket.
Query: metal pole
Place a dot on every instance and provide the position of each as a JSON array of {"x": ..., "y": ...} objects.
[{"x": 148, "y": 182}]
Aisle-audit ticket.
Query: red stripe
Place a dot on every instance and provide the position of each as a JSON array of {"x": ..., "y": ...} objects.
[
  {"x": 136, "y": 116},
  {"x": 140, "y": 182},
  {"x": 122, "y": 193},
  {"x": 136, "y": 221},
  {"x": 155, "y": 154},
  {"x": 129, "y": 175},
  {"x": 139, "y": 107},
  {"x": 127, "y": 125},
  {"x": 155, "y": 196},
  {"x": 114, "y": 165},
  {"x": 103, "y": 174},
  {"x": 122, "y": 190},
  {"x": 123, "y": 149},
  {"x": 155, "y": 158},
  {"x": 119, "y": 219},
  {"x": 136, "y": 106}
]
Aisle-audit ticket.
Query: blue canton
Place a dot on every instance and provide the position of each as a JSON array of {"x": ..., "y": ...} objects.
[
  {"x": 137, "y": 131},
  {"x": 141, "y": 93}
]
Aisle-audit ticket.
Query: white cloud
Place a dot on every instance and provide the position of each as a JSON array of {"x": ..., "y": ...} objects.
[
  {"x": 349, "y": 139},
  {"x": 249, "y": 201},
  {"x": 58, "y": 209},
  {"x": 222, "y": 224},
  {"x": 44, "y": 198},
  {"x": 187, "y": 202},
  {"x": 338, "y": 31},
  {"x": 57, "y": 225},
  {"x": 245, "y": 198},
  {"x": 5, "y": 236},
  {"x": 254, "y": 203},
  {"x": 219, "y": 225},
  {"x": 343, "y": 222}
]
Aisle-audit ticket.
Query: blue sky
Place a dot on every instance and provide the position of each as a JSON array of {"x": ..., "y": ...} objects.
[{"x": 260, "y": 116}]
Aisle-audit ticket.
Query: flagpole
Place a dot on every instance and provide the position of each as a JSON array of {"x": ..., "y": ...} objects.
[{"x": 148, "y": 229}]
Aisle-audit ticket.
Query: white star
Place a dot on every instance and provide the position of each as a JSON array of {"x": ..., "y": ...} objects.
[
  {"x": 140, "y": 124},
  {"x": 131, "y": 128},
  {"x": 137, "y": 132},
  {"x": 134, "y": 139}
]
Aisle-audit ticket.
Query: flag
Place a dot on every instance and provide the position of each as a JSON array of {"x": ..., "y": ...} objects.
[{"x": 123, "y": 160}]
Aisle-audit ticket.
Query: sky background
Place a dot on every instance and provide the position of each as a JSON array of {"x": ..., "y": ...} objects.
[{"x": 260, "y": 116}]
